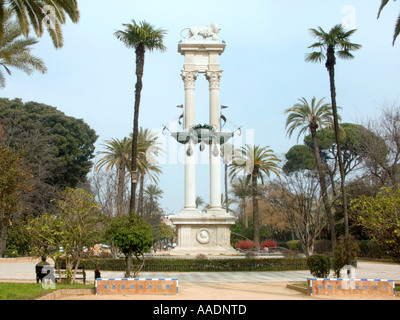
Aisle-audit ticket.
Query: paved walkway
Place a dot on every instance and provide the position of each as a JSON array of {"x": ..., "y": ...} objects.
[
  {"x": 215, "y": 285},
  {"x": 23, "y": 269}
]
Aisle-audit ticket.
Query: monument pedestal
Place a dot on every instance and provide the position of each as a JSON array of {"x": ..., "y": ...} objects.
[
  {"x": 203, "y": 233},
  {"x": 198, "y": 232}
]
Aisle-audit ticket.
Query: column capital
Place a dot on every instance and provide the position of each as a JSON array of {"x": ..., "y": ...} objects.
[
  {"x": 189, "y": 78},
  {"x": 214, "y": 77}
]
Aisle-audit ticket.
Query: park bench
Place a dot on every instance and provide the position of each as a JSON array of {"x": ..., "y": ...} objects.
[{"x": 80, "y": 275}]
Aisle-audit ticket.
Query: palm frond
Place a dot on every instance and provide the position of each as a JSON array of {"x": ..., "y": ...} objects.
[
  {"x": 141, "y": 33},
  {"x": 345, "y": 54},
  {"x": 337, "y": 38},
  {"x": 36, "y": 13},
  {"x": 15, "y": 50},
  {"x": 396, "y": 30},
  {"x": 2, "y": 80},
  {"x": 383, "y": 4},
  {"x": 315, "y": 57}
]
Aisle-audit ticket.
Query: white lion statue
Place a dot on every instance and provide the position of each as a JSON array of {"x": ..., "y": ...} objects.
[{"x": 210, "y": 31}]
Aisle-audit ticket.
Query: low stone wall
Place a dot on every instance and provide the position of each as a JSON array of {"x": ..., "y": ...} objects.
[
  {"x": 56, "y": 295},
  {"x": 128, "y": 286},
  {"x": 329, "y": 286}
]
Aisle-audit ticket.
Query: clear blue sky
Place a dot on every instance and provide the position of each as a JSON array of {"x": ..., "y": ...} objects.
[{"x": 93, "y": 76}]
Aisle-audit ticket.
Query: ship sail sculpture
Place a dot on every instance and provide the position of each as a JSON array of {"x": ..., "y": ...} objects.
[{"x": 202, "y": 232}]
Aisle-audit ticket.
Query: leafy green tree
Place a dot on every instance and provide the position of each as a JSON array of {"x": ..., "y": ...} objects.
[
  {"x": 353, "y": 145},
  {"x": 380, "y": 219},
  {"x": 304, "y": 117},
  {"x": 162, "y": 233},
  {"x": 346, "y": 251},
  {"x": 140, "y": 36},
  {"x": 75, "y": 226},
  {"x": 397, "y": 27},
  {"x": 69, "y": 141},
  {"x": 18, "y": 243},
  {"x": 254, "y": 162},
  {"x": 13, "y": 180},
  {"x": 40, "y": 15},
  {"x": 132, "y": 236},
  {"x": 299, "y": 157},
  {"x": 15, "y": 51},
  {"x": 328, "y": 45}
]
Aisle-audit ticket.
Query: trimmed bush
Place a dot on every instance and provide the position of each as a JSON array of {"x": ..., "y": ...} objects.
[
  {"x": 245, "y": 245},
  {"x": 269, "y": 244},
  {"x": 195, "y": 265},
  {"x": 319, "y": 265},
  {"x": 293, "y": 244}
]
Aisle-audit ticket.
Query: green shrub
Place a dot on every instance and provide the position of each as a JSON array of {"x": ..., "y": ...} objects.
[
  {"x": 319, "y": 265},
  {"x": 346, "y": 251},
  {"x": 371, "y": 249},
  {"x": 195, "y": 265},
  {"x": 293, "y": 244}
]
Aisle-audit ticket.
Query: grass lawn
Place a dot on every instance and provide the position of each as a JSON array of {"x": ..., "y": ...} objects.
[{"x": 30, "y": 291}]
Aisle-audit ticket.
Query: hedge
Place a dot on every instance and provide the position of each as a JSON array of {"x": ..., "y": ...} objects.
[{"x": 198, "y": 265}]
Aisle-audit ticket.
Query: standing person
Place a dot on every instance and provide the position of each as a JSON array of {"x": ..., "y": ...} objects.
[{"x": 97, "y": 274}]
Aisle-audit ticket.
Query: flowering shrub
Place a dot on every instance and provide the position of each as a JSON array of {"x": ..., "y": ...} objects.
[
  {"x": 269, "y": 244},
  {"x": 245, "y": 245}
]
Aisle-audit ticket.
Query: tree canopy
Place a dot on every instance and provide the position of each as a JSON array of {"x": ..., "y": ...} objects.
[
  {"x": 380, "y": 219},
  {"x": 70, "y": 141}
]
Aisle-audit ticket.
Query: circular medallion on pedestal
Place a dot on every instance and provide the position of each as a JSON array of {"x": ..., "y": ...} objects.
[{"x": 203, "y": 236}]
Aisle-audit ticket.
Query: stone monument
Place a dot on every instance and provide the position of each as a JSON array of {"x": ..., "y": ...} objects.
[{"x": 202, "y": 232}]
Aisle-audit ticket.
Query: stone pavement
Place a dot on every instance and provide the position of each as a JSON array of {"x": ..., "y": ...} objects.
[{"x": 23, "y": 269}]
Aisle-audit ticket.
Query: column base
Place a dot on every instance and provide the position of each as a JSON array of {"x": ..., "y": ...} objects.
[{"x": 203, "y": 233}]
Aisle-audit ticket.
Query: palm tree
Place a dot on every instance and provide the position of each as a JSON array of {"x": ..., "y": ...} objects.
[
  {"x": 306, "y": 117},
  {"x": 40, "y": 14},
  {"x": 148, "y": 149},
  {"x": 242, "y": 191},
  {"x": 254, "y": 162},
  {"x": 151, "y": 172},
  {"x": 15, "y": 51},
  {"x": 153, "y": 193},
  {"x": 199, "y": 201},
  {"x": 397, "y": 27},
  {"x": 140, "y": 37},
  {"x": 327, "y": 46},
  {"x": 227, "y": 154},
  {"x": 116, "y": 154}
]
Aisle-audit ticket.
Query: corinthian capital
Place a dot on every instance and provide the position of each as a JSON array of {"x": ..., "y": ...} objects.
[
  {"x": 189, "y": 79},
  {"x": 214, "y": 77}
]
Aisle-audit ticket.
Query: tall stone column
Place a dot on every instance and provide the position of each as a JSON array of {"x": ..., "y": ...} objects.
[
  {"x": 189, "y": 79},
  {"x": 214, "y": 78}
]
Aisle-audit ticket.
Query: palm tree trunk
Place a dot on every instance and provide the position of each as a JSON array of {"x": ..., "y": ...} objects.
[
  {"x": 324, "y": 189},
  {"x": 256, "y": 222},
  {"x": 141, "y": 191},
  {"x": 140, "y": 50},
  {"x": 330, "y": 65},
  {"x": 246, "y": 219},
  {"x": 120, "y": 188}
]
